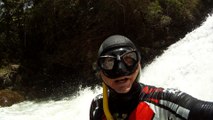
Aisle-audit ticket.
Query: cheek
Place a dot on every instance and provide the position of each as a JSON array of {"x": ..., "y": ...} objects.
[
  {"x": 134, "y": 75},
  {"x": 105, "y": 79}
]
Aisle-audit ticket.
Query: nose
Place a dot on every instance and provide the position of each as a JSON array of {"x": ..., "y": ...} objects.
[
  {"x": 121, "y": 69},
  {"x": 118, "y": 58}
]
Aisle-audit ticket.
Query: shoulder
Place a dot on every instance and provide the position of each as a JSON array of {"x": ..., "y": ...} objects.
[
  {"x": 96, "y": 108},
  {"x": 98, "y": 97},
  {"x": 169, "y": 94},
  {"x": 150, "y": 89},
  {"x": 97, "y": 101},
  {"x": 167, "y": 103}
]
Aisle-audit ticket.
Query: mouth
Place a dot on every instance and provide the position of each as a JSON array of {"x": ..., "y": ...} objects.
[{"x": 121, "y": 80}]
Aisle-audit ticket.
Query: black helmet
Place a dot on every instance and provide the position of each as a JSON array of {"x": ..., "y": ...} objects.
[
  {"x": 118, "y": 56},
  {"x": 115, "y": 41}
]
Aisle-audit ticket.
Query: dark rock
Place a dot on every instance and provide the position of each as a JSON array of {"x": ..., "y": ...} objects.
[
  {"x": 9, "y": 97},
  {"x": 10, "y": 78}
]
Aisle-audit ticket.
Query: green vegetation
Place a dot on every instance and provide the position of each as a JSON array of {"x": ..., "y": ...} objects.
[
  {"x": 58, "y": 39},
  {"x": 3, "y": 71},
  {"x": 40, "y": 27}
]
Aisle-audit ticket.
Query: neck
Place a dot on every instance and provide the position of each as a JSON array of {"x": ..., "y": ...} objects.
[
  {"x": 125, "y": 97},
  {"x": 124, "y": 103}
]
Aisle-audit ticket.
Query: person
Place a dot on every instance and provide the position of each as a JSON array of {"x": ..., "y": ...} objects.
[{"x": 125, "y": 98}]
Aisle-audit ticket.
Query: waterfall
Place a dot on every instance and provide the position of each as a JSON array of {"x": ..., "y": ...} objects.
[
  {"x": 70, "y": 108},
  {"x": 186, "y": 65}
]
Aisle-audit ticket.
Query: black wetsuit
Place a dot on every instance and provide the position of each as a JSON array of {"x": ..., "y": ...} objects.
[{"x": 150, "y": 103}]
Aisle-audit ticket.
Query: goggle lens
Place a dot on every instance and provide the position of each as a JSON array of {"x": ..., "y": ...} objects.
[
  {"x": 107, "y": 62},
  {"x": 130, "y": 58}
]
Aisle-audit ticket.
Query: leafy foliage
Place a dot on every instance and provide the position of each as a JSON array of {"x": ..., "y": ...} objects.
[
  {"x": 60, "y": 38},
  {"x": 10, "y": 29}
]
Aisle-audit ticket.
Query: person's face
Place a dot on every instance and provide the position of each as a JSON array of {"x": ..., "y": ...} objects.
[{"x": 121, "y": 84}]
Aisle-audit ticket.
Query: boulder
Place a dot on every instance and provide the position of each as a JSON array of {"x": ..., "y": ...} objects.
[{"x": 9, "y": 97}]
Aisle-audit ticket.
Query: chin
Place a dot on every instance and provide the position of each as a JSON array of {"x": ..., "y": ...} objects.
[{"x": 123, "y": 91}]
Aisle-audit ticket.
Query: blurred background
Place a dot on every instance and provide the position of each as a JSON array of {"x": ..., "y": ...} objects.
[{"x": 48, "y": 48}]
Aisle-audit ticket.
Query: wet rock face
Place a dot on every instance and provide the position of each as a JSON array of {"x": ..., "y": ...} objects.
[
  {"x": 9, "y": 97},
  {"x": 9, "y": 77}
]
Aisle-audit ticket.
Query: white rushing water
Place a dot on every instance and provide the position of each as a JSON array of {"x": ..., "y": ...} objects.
[
  {"x": 186, "y": 65},
  {"x": 70, "y": 108}
]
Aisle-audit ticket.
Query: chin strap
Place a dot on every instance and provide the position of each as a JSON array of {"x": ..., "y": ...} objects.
[{"x": 105, "y": 103}]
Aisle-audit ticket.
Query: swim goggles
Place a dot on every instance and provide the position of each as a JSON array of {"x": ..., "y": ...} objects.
[{"x": 118, "y": 62}]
